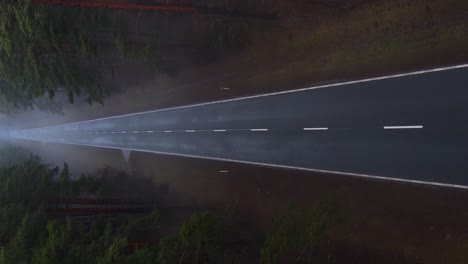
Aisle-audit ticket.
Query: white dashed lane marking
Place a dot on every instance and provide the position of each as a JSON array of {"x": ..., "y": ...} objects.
[
  {"x": 404, "y": 127},
  {"x": 224, "y": 130},
  {"x": 315, "y": 128}
]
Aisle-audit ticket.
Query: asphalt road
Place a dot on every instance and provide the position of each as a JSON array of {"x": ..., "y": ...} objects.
[{"x": 412, "y": 127}]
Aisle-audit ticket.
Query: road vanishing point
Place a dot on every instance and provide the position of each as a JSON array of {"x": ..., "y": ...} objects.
[{"x": 410, "y": 127}]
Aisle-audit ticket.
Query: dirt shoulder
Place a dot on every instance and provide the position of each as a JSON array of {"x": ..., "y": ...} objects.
[
  {"x": 314, "y": 44},
  {"x": 393, "y": 221}
]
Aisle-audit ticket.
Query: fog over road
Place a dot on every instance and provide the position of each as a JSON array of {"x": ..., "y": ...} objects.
[{"x": 408, "y": 127}]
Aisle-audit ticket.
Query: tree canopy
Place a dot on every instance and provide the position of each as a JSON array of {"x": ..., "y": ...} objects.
[
  {"x": 44, "y": 50},
  {"x": 32, "y": 233}
]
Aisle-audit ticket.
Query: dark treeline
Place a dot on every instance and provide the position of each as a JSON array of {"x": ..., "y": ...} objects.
[
  {"x": 34, "y": 231},
  {"x": 44, "y": 50},
  {"x": 49, "y": 49}
]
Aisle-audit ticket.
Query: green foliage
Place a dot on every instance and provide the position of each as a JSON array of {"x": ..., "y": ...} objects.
[
  {"x": 78, "y": 244},
  {"x": 149, "y": 54},
  {"x": 86, "y": 184},
  {"x": 114, "y": 252},
  {"x": 323, "y": 216},
  {"x": 119, "y": 43},
  {"x": 202, "y": 232},
  {"x": 170, "y": 251},
  {"x": 43, "y": 49},
  {"x": 201, "y": 239},
  {"x": 11, "y": 155},
  {"x": 286, "y": 236},
  {"x": 25, "y": 184},
  {"x": 10, "y": 216},
  {"x": 150, "y": 220},
  {"x": 65, "y": 191},
  {"x": 296, "y": 232},
  {"x": 28, "y": 234},
  {"x": 55, "y": 248}
]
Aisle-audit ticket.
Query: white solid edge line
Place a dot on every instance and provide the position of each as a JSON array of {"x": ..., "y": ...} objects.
[
  {"x": 404, "y": 127},
  {"x": 259, "y": 129},
  {"x": 275, "y": 93},
  {"x": 438, "y": 184},
  {"x": 315, "y": 128}
]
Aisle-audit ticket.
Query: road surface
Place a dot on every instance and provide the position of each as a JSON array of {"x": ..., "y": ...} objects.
[{"x": 410, "y": 127}]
